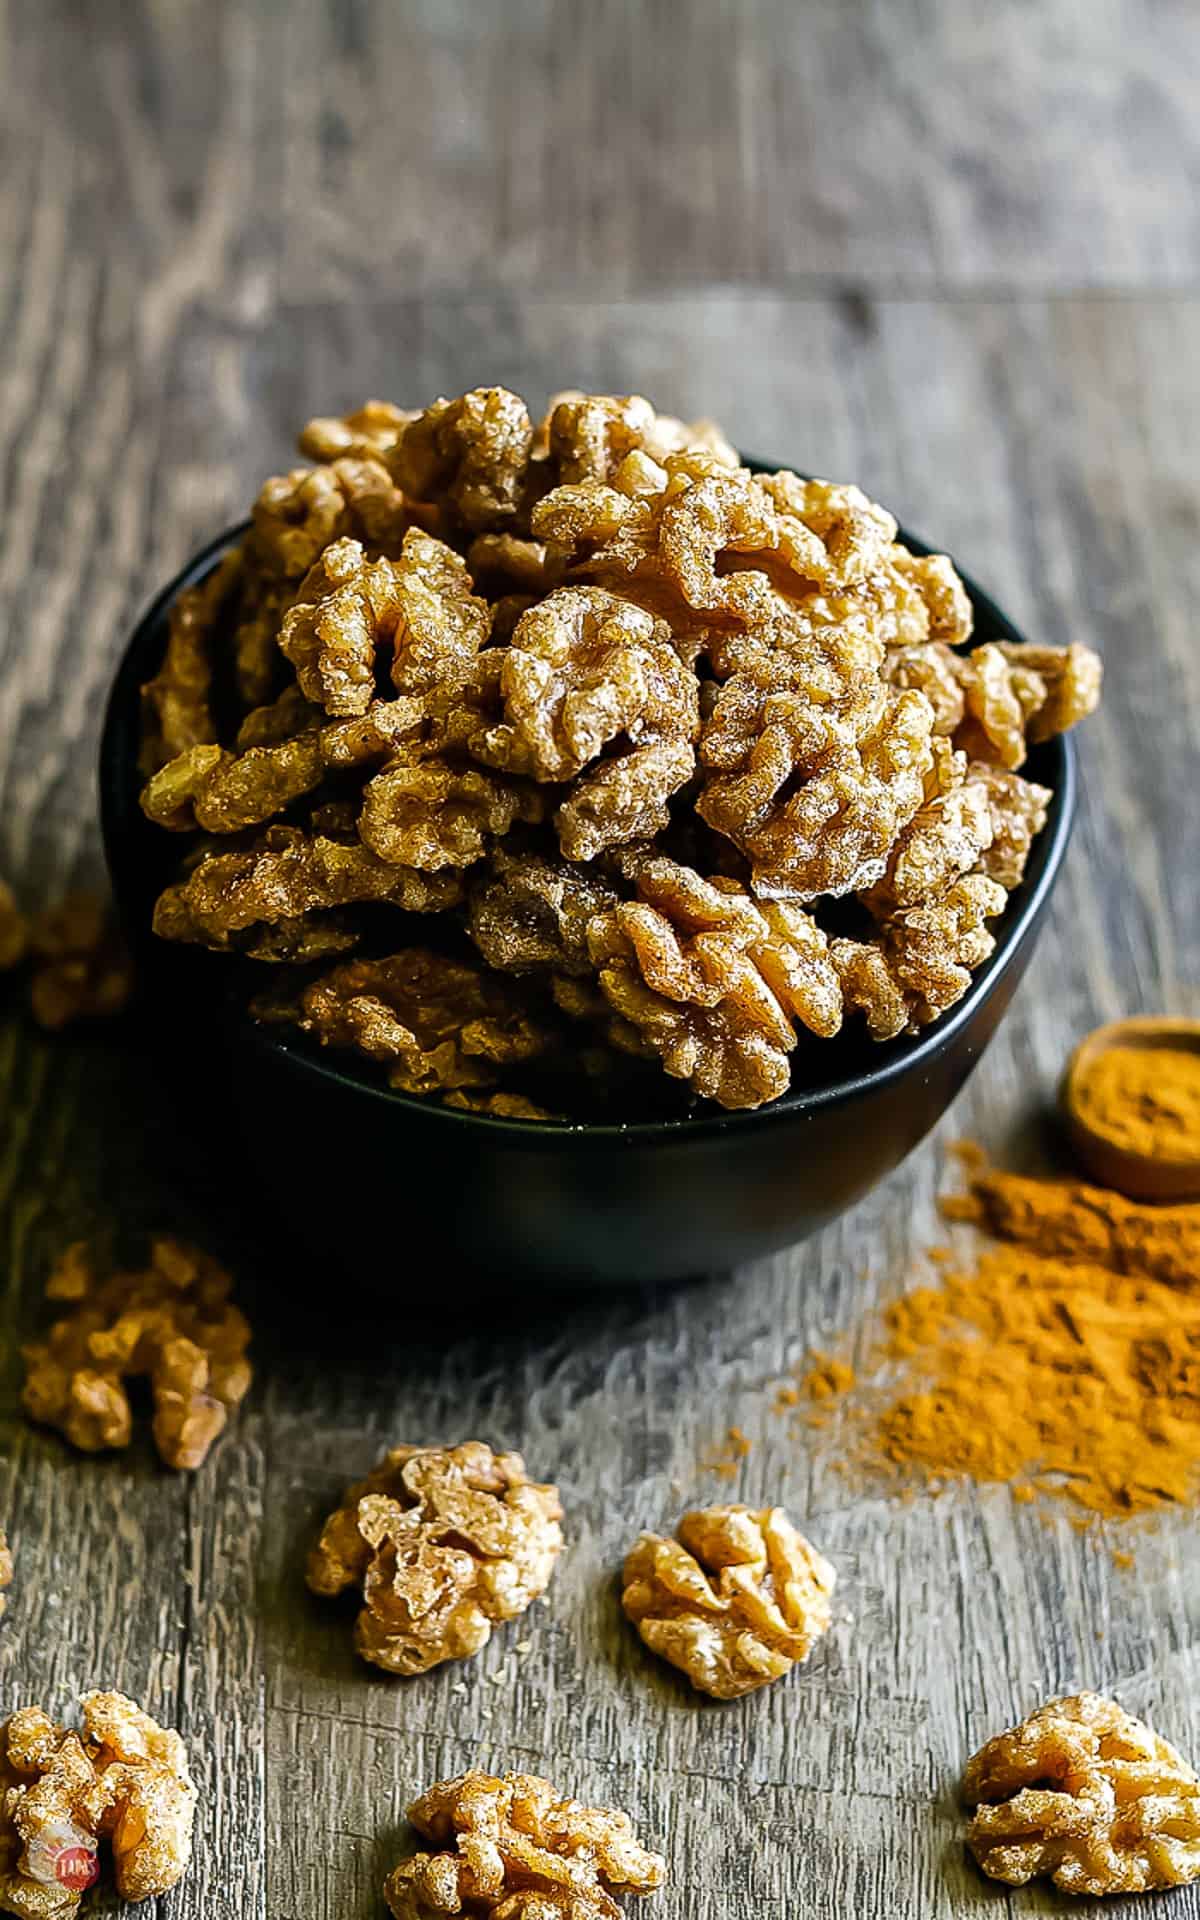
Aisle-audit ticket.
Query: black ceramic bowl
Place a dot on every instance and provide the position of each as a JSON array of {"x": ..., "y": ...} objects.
[{"x": 383, "y": 1187}]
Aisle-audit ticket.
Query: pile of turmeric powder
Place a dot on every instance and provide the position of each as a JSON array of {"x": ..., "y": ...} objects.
[
  {"x": 1146, "y": 1100},
  {"x": 1066, "y": 1361}
]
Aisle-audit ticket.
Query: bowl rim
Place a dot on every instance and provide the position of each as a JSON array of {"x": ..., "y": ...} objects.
[{"x": 904, "y": 1055}]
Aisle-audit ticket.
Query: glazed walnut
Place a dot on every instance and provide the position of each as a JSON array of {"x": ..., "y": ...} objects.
[
  {"x": 712, "y": 981},
  {"x": 122, "y": 1779},
  {"x": 443, "y": 1543},
  {"x": 834, "y": 832},
  {"x": 81, "y": 966},
  {"x": 584, "y": 667},
  {"x": 1087, "y": 1795},
  {"x": 922, "y": 960},
  {"x": 470, "y": 455},
  {"x": 734, "y": 1601},
  {"x": 171, "y": 1322},
  {"x": 435, "y": 1023},
  {"x": 514, "y": 1849},
  {"x": 287, "y": 877}
]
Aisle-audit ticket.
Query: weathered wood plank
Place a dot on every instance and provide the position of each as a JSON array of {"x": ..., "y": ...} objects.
[{"x": 345, "y": 143}]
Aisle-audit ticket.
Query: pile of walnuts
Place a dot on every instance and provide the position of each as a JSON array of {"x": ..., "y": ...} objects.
[{"x": 685, "y": 759}]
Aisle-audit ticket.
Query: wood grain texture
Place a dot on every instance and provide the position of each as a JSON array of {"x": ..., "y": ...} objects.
[{"x": 218, "y": 219}]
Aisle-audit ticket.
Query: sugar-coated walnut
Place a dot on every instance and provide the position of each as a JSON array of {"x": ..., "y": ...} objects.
[
  {"x": 371, "y": 431},
  {"x": 834, "y": 832},
  {"x": 1017, "y": 812},
  {"x": 471, "y": 454},
  {"x": 440, "y": 813},
  {"x": 922, "y": 960},
  {"x": 286, "y": 876},
  {"x": 436, "y": 1023},
  {"x": 122, "y": 1779},
  {"x": 442, "y": 622},
  {"x": 1087, "y": 1795},
  {"x": 176, "y": 709},
  {"x": 81, "y": 966},
  {"x": 734, "y": 1601},
  {"x": 529, "y": 913},
  {"x": 171, "y": 1322},
  {"x": 711, "y": 982},
  {"x": 14, "y": 934},
  {"x": 624, "y": 798},
  {"x": 6, "y": 1568},
  {"x": 226, "y": 793},
  {"x": 1071, "y": 677},
  {"x": 517, "y": 1850},
  {"x": 945, "y": 839},
  {"x": 583, "y": 669},
  {"x": 344, "y": 609},
  {"x": 444, "y": 1543}
]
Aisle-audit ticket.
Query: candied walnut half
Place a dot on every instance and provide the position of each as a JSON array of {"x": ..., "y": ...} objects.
[
  {"x": 437, "y": 1023},
  {"x": 735, "y": 1600},
  {"x": 444, "y": 1542},
  {"x": 832, "y": 831},
  {"x": 922, "y": 960},
  {"x": 582, "y": 669},
  {"x": 122, "y": 1779},
  {"x": 371, "y": 431},
  {"x": 711, "y": 981},
  {"x": 81, "y": 966},
  {"x": 442, "y": 814},
  {"x": 1068, "y": 680},
  {"x": 171, "y": 1322},
  {"x": 471, "y": 454},
  {"x": 944, "y": 840},
  {"x": 285, "y": 877},
  {"x": 520, "y": 1852},
  {"x": 1017, "y": 810},
  {"x": 528, "y": 913},
  {"x": 1086, "y": 1794}
]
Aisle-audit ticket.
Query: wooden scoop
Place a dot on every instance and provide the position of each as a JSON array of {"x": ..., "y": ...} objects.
[{"x": 1140, "y": 1176}]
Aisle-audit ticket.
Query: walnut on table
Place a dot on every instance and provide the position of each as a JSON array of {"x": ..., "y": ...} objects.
[
  {"x": 14, "y": 934},
  {"x": 122, "y": 1779},
  {"x": 171, "y": 1322},
  {"x": 444, "y": 1543},
  {"x": 734, "y": 1601},
  {"x": 81, "y": 966},
  {"x": 1086, "y": 1794},
  {"x": 515, "y": 1849}
]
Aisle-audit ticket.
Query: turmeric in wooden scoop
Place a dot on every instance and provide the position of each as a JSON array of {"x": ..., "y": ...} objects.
[{"x": 1132, "y": 1102}]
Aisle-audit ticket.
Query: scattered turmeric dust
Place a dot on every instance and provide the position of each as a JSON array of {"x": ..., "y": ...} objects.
[
  {"x": 728, "y": 1465},
  {"x": 827, "y": 1377},
  {"x": 1065, "y": 1361}
]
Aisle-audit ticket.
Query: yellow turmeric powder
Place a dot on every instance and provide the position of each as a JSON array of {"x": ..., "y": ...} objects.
[
  {"x": 1066, "y": 1361},
  {"x": 1146, "y": 1100}
]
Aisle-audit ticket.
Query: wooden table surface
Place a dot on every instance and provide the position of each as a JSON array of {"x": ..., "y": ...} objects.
[{"x": 948, "y": 248}]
